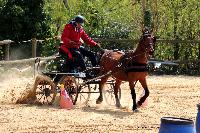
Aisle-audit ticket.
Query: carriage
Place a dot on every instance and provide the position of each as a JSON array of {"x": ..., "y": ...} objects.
[
  {"x": 78, "y": 85},
  {"x": 131, "y": 66}
]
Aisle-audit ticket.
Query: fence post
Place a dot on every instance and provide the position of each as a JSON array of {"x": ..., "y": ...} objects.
[
  {"x": 7, "y": 48},
  {"x": 34, "y": 47},
  {"x": 7, "y": 51}
]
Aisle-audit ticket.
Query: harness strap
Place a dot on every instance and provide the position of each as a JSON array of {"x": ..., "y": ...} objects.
[
  {"x": 129, "y": 65},
  {"x": 137, "y": 68}
]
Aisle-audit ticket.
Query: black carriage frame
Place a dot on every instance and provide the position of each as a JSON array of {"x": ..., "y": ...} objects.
[{"x": 78, "y": 85}]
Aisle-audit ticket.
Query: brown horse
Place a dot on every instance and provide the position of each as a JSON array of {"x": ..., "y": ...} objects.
[{"x": 130, "y": 66}]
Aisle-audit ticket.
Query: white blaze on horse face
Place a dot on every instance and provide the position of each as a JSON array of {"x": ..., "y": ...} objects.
[{"x": 150, "y": 40}]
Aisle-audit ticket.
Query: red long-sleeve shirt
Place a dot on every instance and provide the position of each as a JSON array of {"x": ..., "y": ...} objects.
[{"x": 70, "y": 33}]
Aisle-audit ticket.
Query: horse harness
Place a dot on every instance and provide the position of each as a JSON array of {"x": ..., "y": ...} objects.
[{"x": 128, "y": 64}]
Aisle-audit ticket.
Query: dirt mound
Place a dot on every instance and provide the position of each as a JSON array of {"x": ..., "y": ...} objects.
[
  {"x": 28, "y": 96},
  {"x": 15, "y": 83}
]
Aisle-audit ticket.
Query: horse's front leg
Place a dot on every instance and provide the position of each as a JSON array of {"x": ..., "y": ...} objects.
[
  {"x": 116, "y": 90},
  {"x": 143, "y": 98},
  {"x": 133, "y": 94},
  {"x": 101, "y": 86}
]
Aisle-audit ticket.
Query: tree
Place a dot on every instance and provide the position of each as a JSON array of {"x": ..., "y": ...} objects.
[{"x": 23, "y": 20}]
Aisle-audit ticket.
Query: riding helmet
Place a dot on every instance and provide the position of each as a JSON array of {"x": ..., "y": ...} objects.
[{"x": 79, "y": 19}]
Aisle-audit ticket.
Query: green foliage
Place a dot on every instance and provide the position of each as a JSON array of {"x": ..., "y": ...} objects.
[
  {"x": 98, "y": 14},
  {"x": 23, "y": 20},
  {"x": 59, "y": 14},
  {"x": 170, "y": 19},
  {"x": 50, "y": 47},
  {"x": 147, "y": 19}
]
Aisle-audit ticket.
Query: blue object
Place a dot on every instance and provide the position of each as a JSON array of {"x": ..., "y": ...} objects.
[
  {"x": 176, "y": 125},
  {"x": 198, "y": 119}
]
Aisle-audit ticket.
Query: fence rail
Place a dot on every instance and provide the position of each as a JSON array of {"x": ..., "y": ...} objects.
[
  {"x": 158, "y": 40},
  {"x": 187, "y": 66},
  {"x": 30, "y": 60},
  {"x": 35, "y": 41}
]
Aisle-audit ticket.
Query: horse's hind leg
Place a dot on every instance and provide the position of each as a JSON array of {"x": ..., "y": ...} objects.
[
  {"x": 116, "y": 90},
  {"x": 144, "y": 85},
  {"x": 101, "y": 86}
]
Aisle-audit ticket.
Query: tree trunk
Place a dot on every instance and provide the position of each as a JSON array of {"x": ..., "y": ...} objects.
[{"x": 176, "y": 45}]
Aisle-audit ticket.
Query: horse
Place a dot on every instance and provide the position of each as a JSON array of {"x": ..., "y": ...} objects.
[{"x": 128, "y": 66}]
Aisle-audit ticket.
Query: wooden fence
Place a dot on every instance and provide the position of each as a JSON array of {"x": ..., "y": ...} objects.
[
  {"x": 185, "y": 65},
  {"x": 7, "y": 44},
  {"x": 34, "y": 43},
  {"x": 7, "y": 48}
]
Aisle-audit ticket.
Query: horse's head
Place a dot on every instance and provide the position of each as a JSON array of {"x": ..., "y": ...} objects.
[{"x": 147, "y": 42}]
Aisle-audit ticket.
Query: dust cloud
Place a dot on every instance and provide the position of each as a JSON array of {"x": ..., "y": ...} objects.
[{"x": 15, "y": 83}]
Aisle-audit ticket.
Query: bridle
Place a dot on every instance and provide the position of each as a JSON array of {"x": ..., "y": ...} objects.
[{"x": 146, "y": 48}]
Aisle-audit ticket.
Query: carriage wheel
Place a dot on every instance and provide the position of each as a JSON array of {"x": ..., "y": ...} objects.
[
  {"x": 70, "y": 85},
  {"x": 83, "y": 95},
  {"x": 108, "y": 93},
  {"x": 44, "y": 90}
]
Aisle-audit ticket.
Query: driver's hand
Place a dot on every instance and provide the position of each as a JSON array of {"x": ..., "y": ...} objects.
[
  {"x": 100, "y": 48},
  {"x": 98, "y": 45}
]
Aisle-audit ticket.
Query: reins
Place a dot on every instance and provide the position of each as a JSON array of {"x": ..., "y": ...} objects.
[
  {"x": 101, "y": 76},
  {"x": 130, "y": 58}
]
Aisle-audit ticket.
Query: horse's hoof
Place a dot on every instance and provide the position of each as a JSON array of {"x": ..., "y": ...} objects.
[
  {"x": 136, "y": 110},
  {"x": 138, "y": 106},
  {"x": 134, "y": 107},
  {"x": 99, "y": 101},
  {"x": 118, "y": 105}
]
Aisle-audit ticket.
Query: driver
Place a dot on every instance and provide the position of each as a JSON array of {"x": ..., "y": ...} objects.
[{"x": 71, "y": 45}]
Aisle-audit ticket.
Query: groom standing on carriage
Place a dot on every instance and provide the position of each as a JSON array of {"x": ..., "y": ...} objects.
[{"x": 71, "y": 46}]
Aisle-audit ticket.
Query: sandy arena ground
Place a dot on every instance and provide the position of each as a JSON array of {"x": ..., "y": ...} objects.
[{"x": 175, "y": 96}]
